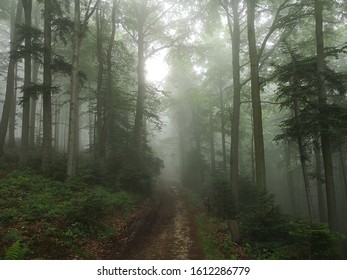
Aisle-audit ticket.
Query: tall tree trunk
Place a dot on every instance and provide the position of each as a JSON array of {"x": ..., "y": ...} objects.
[
  {"x": 12, "y": 119},
  {"x": 91, "y": 126},
  {"x": 8, "y": 103},
  {"x": 74, "y": 99},
  {"x": 252, "y": 153},
  {"x": 343, "y": 169},
  {"x": 23, "y": 159},
  {"x": 34, "y": 79},
  {"x": 260, "y": 174},
  {"x": 39, "y": 119},
  {"x": 73, "y": 142},
  {"x": 222, "y": 119},
  {"x": 141, "y": 92},
  {"x": 197, "y": 139},
  {"x": 99, "y": 143},
  {"x": 181, "y": 146},
  {"x": 56, "y": 126},
  {"x": 109, "y": 122},
  {"x": 235, "y": 122},
  {"x": 32, "y": 134},
  {"x": 211, "y": 136},
  {"x": 289, "y": 176},
  {"x": 325, "y": 137},
  {"x": 321, "y": 197},
  {"x": 47, "y": 84}
]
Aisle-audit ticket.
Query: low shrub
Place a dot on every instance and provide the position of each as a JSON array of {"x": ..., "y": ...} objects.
[
  {"x": 269, "y": 234},
  {"x": 55, "y": 219}
]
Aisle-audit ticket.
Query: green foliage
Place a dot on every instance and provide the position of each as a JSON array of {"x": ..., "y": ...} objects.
[
  {"x": 313, "y": 241},
  {"x": 135, "y": 179},
  {"x": 263, "y": 221},
  {"x": 124, "y": 172},
  {"x": 62, "y": 216},
  {"x": 212, "y": 231},
  {"x": 222, "y": 196},
  {"x": 206, "y": 230},
  {"x": 297, "y": 90},
  {"x": 215, "y": 238},
  {"x": 17, "y": 251},
  {"x": 269, "y": 234}
]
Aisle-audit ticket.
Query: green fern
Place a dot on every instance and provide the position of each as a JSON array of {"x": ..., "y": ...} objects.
[{"x": 17, "y": 251}]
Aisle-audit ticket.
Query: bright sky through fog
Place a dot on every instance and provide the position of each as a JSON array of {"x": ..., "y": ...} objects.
[{"x": 157, "y": 67}]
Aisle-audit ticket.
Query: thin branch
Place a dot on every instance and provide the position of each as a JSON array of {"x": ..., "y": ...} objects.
[
  {"x": 273, "y": 27},
  {"x": 283, "y": 37},
  {"x": 150, "y": 25},
  {"x": 154, "y": 51},
  {"x": 89, "y": 14},
  {"x": 264, "y": 102},
  {"x": 130, "y": 32},
  {"x": 226, "y": 8}
]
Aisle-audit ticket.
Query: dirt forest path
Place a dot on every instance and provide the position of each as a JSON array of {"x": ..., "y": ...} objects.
[{"x": 172, "y": 234}]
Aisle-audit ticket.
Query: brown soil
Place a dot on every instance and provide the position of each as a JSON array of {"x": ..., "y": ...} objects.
[{"x": 172, "y": 233}]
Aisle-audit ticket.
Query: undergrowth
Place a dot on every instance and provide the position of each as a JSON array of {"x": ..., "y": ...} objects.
[
  {"x": 266, "y": 234},
  {"x": 47, "y": 219},
  {"x": 214, "y": 237},
  {"x": 213, "y": 233}
]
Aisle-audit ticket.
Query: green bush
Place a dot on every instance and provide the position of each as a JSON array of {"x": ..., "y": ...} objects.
[
  {"x": 263, "y": 222},
  {"x": 313, "y": 241},
  {"x": 88, "y": 211},
  {"x": 269, "y": 234}
]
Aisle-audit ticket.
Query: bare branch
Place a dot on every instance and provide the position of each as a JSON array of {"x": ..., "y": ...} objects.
[
  {"x": 154, "y": 51},
  {"x": 130, "y": 32},
  {"x": 88, "y": 14},
  {"x": 273, "y": 27},
  {"x": 150, "y": 25}
]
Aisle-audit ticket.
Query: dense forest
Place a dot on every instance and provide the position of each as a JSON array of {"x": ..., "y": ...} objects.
[{"x": 212, "y": 129}]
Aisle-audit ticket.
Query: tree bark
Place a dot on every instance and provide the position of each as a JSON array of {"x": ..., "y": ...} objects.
[
  {"x": 34, "y": 79},
  {"x": 24, "y": 150},
  {"x": 325, "y": 137},
  {"x": 109, "y": 121},
  {"x": 47, "y": 92},
  {"x": 222, "y": 119},
  {"x": 57, "y": 109},
  {"x": 289, "y": 176},
  {"x": 235, "y": 122},
  {"x": 141, "y": 91},
  {"x": 260, "y": 175},
  {"x": 100, "y": 104},
  {"x": 32, "y": 134},
  {"x": 343, "y": 169},
  {"x": 10, "y": 85},
  {"x": 73, "y": 142},
  {"x": 12, "y": 118},
  {"x": 321, "y": 198},
  {"x": 211, "y": 138},
  {"x": 74, "y": 99}
]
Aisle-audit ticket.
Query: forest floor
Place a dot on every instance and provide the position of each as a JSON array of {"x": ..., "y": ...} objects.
[{"x": 172, "y": 233}]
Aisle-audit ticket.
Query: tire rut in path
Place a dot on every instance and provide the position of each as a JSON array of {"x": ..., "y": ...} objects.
[{"x": 172, "y": 235}]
